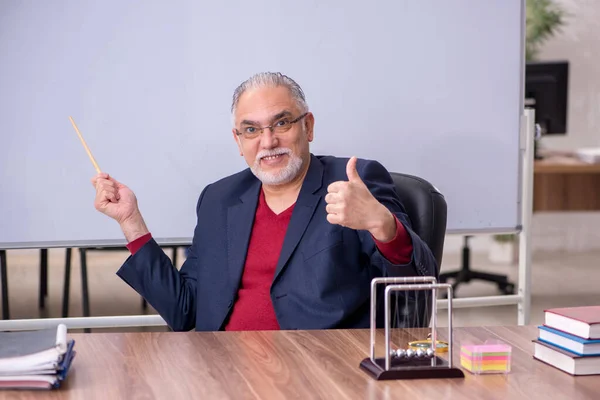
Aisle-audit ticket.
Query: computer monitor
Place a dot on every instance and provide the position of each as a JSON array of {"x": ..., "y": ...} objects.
[{"x": 546, "y": 87}]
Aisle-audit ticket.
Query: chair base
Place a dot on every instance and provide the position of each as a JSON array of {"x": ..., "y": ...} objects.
[
  {"x": 462, "y": 276},
  {"x": 465, "y": 274}
]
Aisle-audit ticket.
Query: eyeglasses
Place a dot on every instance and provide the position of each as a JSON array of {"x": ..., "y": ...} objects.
[{"x": 280, "y": 126}]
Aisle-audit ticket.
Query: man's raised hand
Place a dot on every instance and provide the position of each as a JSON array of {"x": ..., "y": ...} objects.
[{"x": 118, "y": 202}]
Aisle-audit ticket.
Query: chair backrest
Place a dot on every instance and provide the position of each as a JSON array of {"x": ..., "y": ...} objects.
[{"x": 427, "y": 211}]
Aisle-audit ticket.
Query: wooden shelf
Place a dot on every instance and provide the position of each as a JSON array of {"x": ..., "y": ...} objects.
[
  {"x": 564, "y": 165},
  {"x": 566, "y": 184}
]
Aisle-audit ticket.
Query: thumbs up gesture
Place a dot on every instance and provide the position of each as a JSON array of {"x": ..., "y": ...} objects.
[{"x": 351, "y": 204}]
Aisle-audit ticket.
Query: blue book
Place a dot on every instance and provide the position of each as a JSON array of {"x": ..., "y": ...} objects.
[{"x": 568, "y": 342}]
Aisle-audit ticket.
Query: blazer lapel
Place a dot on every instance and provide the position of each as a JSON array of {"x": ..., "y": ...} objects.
[
  {"x": 303, "y": 211},
  {"x": 240, "y": 218}
]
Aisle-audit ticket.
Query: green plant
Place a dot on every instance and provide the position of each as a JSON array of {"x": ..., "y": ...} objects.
[{"x": 543, "y": 19}]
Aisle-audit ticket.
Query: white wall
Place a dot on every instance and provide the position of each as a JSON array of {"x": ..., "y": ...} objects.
[{"x": 579, "y": 43}]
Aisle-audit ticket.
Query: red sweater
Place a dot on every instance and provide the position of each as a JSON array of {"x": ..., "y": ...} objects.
[{"x": 253, "y": 309}]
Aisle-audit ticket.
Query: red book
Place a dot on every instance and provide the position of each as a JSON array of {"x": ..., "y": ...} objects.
[{"x": 579, "y": 321}]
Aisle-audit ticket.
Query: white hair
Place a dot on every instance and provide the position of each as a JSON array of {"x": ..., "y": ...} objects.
[{"x": 272, "y": 79}]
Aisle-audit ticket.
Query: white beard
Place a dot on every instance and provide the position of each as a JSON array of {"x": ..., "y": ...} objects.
[{"x": 284, "y": 175}]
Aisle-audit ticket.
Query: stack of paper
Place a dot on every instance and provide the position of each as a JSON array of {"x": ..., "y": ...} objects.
[
  {"x": 486, "y": 358},
  {"x": 35, "y": 359}
]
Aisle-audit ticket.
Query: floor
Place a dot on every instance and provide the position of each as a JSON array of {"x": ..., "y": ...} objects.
[{"x": 558, "y": 280}]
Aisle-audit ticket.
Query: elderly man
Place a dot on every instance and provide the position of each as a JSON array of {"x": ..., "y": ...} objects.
[{"x": 292, "y": 242}]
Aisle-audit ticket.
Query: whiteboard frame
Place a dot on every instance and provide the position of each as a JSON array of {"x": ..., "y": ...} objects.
[{"x": 524, "y": 217}]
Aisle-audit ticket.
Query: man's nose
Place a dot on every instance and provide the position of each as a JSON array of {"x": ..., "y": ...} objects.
[{"x": 268, "y": 140}]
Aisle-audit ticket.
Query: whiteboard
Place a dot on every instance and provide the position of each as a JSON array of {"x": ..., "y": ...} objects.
[{"x": 431, "y": 88}]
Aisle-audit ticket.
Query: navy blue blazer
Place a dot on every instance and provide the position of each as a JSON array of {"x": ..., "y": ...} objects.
[{"x": 322, "y": 279}]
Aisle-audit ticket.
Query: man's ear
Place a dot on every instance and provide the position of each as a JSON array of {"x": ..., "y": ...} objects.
[
  {"x": 238, "y": 141},
  {"x": 309, "y": 124}
]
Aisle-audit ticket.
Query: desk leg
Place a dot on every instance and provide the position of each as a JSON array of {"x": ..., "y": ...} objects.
[
  {"x": 4, "y": 279},
  {"x": 67, "y": 283},
  {"x": 43, "y": 278}
]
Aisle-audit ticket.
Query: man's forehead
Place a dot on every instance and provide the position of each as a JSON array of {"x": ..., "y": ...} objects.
[{"x": 265, "y": 102}]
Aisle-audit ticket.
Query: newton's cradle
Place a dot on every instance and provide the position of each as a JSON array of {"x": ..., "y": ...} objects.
[{"x": 421, "y": 360}]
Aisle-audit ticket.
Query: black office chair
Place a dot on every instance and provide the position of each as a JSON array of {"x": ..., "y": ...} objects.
[{"x": 427, "y": 211}]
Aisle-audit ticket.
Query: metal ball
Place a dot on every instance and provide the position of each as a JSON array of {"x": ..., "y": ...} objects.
[
  {"x": 430, "y": 352},
  {"x": 410, "y": 353},
  {"x": 400, "y": 353},
  {"x": 420, "y": 353}
]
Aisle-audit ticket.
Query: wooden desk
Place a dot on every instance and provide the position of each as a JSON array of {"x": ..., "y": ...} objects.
[
  {"x": 288, "y": 365},
  {"x": 566, "y": 184}
]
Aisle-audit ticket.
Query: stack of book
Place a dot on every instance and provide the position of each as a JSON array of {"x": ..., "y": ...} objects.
[
  {"x": 35, "y": 359},
  {"x": 570, "y": 340}
]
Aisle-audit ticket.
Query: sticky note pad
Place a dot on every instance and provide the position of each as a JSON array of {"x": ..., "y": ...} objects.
[{"x": 485, "y": 358}]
